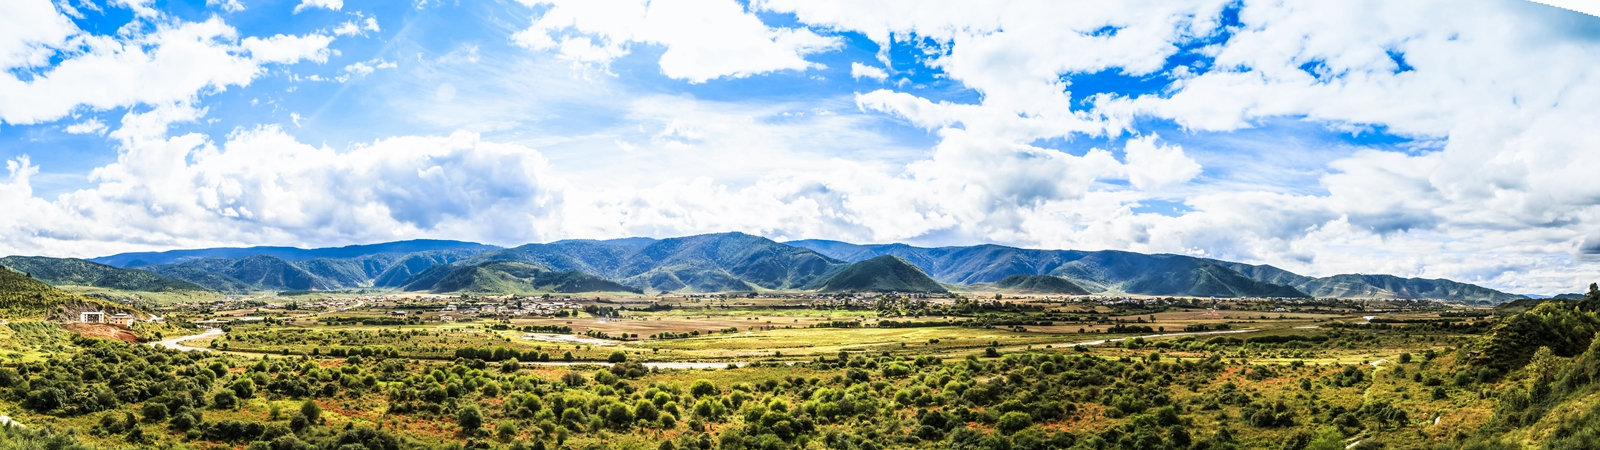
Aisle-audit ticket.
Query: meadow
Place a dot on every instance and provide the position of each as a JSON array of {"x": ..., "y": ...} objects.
[{"x": 1019, "y": 374}]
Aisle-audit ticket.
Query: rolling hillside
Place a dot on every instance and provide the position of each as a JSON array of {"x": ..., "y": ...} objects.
[
  {"x": 505, "y": 277},
  {"x": 1135, "y": 273},
  {"x": 955, "y": 265},
  {"x": 266, "y": 272},
  {"x": 882, "y": 274},
  {"x": 730, "y": 262},
  {"x": 22, "y": 297},
  {"x": 77, "y": 272},
  {"x": 1040, "y": 284},
  {"x": 705, "y": 263},
  {"x": 1099, "y": 272},
  {"x": 289, "y": 253},
  {"x": 1373, "y": 286}
]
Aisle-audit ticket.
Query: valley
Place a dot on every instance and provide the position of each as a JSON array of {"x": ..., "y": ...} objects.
[{"x": 527, "y": 348}]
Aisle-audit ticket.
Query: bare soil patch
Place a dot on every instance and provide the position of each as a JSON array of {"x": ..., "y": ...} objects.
[{"x": 102, "y": 331}]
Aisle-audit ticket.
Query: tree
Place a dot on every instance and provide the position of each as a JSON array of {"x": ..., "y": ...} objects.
[
  {"x": 225, "y": 400},
  {"x": 617, "y": 357},
  {"x": 244, "y": 388},
  {"x": 154, "y": 412},
  {"x": 311, "y": 410},
  {"x": 470, "y": 419},
  {"x": 702, "y": 388},
  {"x": 1014, "y": 421}
]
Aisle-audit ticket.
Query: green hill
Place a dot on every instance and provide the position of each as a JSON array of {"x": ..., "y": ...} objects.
[
  {"x": 1040, "y": 284},
  {"x": 1371, "y": 286},
  {"x": 1137, "y": 273},
  {"x": 1389, "y": 286},
  {"x": 22, "y": 297},
  {"x": 882, "y": 274},
  {"x": 705, "y": 263},
  {"x": 504, "y": 277},
  {"x": 77, "y": 272},
  {"x": 259, "y": 272}
]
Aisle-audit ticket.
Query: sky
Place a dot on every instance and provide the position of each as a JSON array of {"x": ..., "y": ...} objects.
[{"x": 1437, "y": 139}]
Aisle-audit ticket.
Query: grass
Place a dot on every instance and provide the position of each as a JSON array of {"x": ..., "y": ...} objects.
[{"x": 160, "y": 298}]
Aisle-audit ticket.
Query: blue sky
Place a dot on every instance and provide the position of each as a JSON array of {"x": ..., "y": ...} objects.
[{"x": 1294, "y": 135}]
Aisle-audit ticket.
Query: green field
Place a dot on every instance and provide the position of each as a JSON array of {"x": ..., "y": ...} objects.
[{"x": 891, "y": 373}]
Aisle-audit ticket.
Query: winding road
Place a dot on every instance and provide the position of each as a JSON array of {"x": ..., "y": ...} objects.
[{"x": 177, "y": 342}]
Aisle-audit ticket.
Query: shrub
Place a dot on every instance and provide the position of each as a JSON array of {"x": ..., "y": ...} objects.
[
  {"x": 1014, "y": 421},
  {"x": 469, "y": 418}
]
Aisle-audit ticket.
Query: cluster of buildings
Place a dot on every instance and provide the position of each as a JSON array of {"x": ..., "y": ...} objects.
[
  {"x": 118, "y": 319},
  {"x": 514, "y": 307}
]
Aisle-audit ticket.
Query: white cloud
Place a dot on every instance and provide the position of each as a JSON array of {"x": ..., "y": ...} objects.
[
  {"x": 359, "y": 26},
  {"x": 1152, "y": 167},
  {"x": 261, "y": 185},
  {"x": 284, "y": 48},
  {"x": 226, "y": 5},
  {"x": 140, "y": 8},
  {"x": 858, "y": 70},
  {"x": 703, "y": 40},
  {"x": 1488, "y": 196},
  {"x": 364, "y": 68},
  {"x": 174, "y": 62},
  {"x": 91, "y": 126},
  {"x": 329, "y": 4},
  {"x": 30, "y": 30}
]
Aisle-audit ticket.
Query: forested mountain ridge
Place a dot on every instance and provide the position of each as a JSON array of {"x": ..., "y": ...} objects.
[
  {"x": 501, "y": 277},
  {"x": 705, "y": 263},
  {"x": 732, "y": 262},
  {"x": 1372, "y": 286},
  {"x": 1137, "y": 273},
  {"x": 77, "y": 272},
  {"x": 289, "y": 253},
  {"x": 266, "y": 272},
  {"x": 1040, "y": 284},
  {"x": 23, "y": 297},
  {"x": 881, "y": 274}
]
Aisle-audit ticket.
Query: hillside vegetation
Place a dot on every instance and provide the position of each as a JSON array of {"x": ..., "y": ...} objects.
[
  {"x": 882, "y": 274},
  {"x": 737, "y": 262},
  {"x": 1549, "y": 357},
  {"x": 77, "y": 272},
  {"x": 22, "y": 297},
  {"x": 706, "y": 263},
  {"x": 504, "y": 277},
  {"x": 1040, "y": 284}
]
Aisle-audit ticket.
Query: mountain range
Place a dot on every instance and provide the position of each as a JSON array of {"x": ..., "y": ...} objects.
[
  {"x": 737, "y": 262},
  {"x": 1111, "y": 271}
]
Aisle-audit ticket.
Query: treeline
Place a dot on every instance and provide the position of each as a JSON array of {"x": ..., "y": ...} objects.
[
  {"x": 504, "y": 354},
  {"x": 371, "y": 321}
]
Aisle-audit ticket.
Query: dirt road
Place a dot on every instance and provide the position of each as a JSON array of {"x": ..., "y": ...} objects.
[{"x": 177, "y": 342}]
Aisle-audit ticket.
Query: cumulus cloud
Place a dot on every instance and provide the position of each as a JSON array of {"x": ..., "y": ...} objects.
[
  {"x": 703, "y": 40},
  {"x": 30, "y": 30},
  {"x": 329, "y": 4},
  {"x": 174, "y": 62},
  {"x": 1486, "y": 193},
  {"x": 91, "y": 126},
  {"x": 1152, "y": 167},
  {"x": 261, "y": 185},
  {"x": 360, "y": 25},
  {"x": 859, "y": 70},
  {"x": 363, "y": 68},
  {"x": 226, "y": 5},
  {"x": 288, "y": 48}
]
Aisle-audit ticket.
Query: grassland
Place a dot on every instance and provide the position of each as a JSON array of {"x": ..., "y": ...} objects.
[{"x": 1017, "y": 373}]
